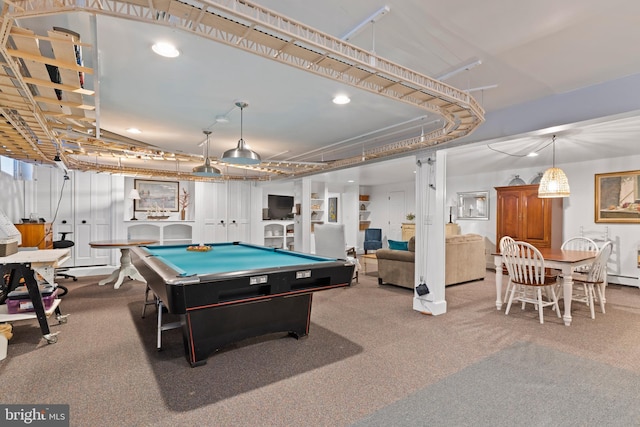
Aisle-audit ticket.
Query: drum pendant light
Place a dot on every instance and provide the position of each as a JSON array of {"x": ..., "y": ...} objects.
[
  {"x": 242, "y": 154},
  {"x": 206, "y": 170}
]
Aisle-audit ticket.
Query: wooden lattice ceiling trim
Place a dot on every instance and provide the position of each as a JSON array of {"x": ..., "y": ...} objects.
[{"x": 255, "y": 29}]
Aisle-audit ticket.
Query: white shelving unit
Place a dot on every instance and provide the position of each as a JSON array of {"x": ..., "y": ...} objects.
[
  {"x": 165, "y": 232},
  {"x": 364, "y": 212},
  {"x": 278, "y": 234},
  {"x": 317, "y": 211}
]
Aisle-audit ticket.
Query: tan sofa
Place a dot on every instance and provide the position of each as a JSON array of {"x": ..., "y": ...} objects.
[{"x": 465, "y": 262}]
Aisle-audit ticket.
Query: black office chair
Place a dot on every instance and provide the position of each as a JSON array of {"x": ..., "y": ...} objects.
[{"x": 63, "y": 243}]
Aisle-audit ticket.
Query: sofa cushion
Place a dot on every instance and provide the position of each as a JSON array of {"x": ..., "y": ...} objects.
[
  {"x": 394, "y": 255},
  {"x": 411, "y": 246},
  {"x": 398, "y": 245}
]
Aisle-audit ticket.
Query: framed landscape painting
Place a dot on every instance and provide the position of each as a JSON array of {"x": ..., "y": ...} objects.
[
  {"x": 162, "y": 195},
  {"x": 617, "y": 197}
]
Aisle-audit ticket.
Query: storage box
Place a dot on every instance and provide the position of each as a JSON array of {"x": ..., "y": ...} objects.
[
  {"x": 8, "y": 248},
  {"x": 15, "y": 306},
  {"x": 21, "y": 292}
]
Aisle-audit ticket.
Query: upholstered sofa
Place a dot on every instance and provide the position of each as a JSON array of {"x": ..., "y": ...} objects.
[{"x": 464, "y": 261}]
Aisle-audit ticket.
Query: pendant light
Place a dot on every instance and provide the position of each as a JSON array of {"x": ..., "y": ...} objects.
[
  {"x": 206, "y": 170},
  {"x": 554, "y": 182},
  {"x": 242, "y": 154}
]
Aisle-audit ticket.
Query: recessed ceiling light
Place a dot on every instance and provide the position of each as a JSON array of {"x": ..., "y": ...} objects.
[
  {"x": 341, "y": 100},
  {"x": 134, "y": 130},
  {"x": 532, "y": 154},
  {"x": 350, "y": 181},
  {"x": 165, "y": 49}
]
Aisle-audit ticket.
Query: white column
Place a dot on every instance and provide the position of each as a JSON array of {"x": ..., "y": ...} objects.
[{"x": 430, "y": 220}]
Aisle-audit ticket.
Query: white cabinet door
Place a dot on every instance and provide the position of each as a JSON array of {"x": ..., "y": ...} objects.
[
  {"x": 226, "y": 210},
  {"x": 238, "y": 210},
  {"x": 92, "y": 201}
]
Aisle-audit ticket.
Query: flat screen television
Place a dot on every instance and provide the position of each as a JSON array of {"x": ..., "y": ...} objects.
[{"x": 280, "y": 207}]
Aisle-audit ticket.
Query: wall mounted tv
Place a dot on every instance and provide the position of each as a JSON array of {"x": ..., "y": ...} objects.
[{"x": 280, "y": 207}]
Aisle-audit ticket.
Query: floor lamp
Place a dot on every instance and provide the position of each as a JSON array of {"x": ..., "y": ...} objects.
[{"x": 134, "y": 195}]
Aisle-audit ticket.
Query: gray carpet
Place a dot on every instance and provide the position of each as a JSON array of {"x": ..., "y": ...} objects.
[
  {"x": 369, "y": 359},
  {"x": 526, "y": 384}
]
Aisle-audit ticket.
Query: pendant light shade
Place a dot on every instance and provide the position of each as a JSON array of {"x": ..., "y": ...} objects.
[
  {"x": 554, "y": 182},
  {"x": 242, "y": 154},
  {"x": 206, "y": 170}
]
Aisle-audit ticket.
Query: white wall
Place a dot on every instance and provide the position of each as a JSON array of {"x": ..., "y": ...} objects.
[
  {"x": 578, "y": 209},
  {"x": 12, "y": 201},
  {"x": 381, "y": 209}
]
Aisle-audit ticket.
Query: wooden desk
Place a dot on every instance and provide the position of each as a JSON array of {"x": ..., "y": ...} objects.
[
  {"x": 564, "y": 260},
  {"x": 126, "y": 269},
  {"x": 25, "y": 265}
]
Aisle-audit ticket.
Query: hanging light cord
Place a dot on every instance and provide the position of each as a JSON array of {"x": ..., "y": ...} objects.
[
  {"x": 521, "y": 155},
  {"x": 241, "y": 126}
]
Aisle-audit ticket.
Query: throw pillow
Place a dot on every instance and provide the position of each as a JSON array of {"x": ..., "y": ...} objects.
[{"x": 398, "y": 245}]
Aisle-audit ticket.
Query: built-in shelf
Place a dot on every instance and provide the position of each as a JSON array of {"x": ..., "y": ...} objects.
[
  {"x": 278, "y": 234},
  {"x": 363, "y": 214},
  {"x": 317, "y": 211},
  {"x": 165, "y": 232}
]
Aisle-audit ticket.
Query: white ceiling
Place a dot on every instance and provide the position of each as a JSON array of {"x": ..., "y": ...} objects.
[{"x": 530, "y": 50}]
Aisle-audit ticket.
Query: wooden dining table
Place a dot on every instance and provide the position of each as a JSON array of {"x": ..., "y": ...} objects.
[
  {"x": 567, "y": 261},
  {"x": 126, "y": 268}
]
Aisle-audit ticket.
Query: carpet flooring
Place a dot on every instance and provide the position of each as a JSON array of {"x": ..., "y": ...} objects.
[
  {"x": 526, "y": 384},
  {"x": 369, "y": 359}
]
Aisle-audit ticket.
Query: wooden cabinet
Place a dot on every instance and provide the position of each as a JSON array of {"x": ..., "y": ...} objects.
[
  {"x": 408, "y": 230},
  {"x": 522, "y": 215},
  {"x": 38, "y": 235}
]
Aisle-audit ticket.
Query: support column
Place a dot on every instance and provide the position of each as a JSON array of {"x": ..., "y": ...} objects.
[{"x": 430, "y": 244}]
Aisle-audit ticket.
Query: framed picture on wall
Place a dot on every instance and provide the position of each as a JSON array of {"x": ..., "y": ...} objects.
[
  {"x": 617, "y": 197},
  {"x": 473, "y": 205},
  {"x": 162, "y": 195},
  {"x": 333, "y": 209}
]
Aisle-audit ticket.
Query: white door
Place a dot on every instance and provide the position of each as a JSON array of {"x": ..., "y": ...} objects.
[
  {"x": 92, "y": 199},
  {"x": 219, "y": 211},
  {"x": 227, "y": 209},
  {"x": 396, "y": 215},
  {"x": 238, "y": 210}
]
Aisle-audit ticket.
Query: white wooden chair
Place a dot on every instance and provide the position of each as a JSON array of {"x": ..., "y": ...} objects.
[
  {"x": 580, "y": 243},
  {"x": 504, "y": 241},
  {"x": 594, "y": 276},
  {"x": 525, "y": 265},
  {"x": 331, "y": 242},
  {"x": 576, "y": 243}
]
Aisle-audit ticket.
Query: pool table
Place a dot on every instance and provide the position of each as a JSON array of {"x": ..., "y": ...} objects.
[{"x": 237, "y": 290}]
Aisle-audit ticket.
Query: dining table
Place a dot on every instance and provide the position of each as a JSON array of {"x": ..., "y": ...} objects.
[
  {"x": 126, "y": 267},
  {"x": 567, "y": 261}
]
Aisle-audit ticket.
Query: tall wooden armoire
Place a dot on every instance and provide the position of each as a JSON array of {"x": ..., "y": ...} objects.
[{"x": 522, "y": 215}]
